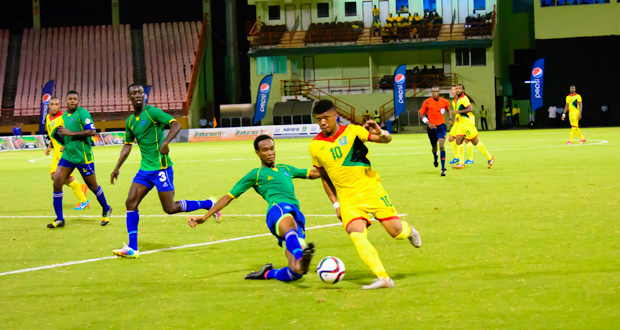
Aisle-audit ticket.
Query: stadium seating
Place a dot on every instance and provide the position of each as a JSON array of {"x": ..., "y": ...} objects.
[{"x": 4, "y": 47}]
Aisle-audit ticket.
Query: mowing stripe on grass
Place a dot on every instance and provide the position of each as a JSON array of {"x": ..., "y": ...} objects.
[
  {"x": 154, "y": 215},
  {"x": 70, "y": 263}
]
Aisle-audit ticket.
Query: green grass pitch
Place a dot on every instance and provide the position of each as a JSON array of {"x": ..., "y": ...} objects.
[{"x": 532, "y": 243}]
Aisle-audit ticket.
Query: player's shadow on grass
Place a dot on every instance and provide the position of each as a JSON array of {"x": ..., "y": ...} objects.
[{"x": 147, "y": 246}]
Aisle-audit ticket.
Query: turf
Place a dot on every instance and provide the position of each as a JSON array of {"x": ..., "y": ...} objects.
[{"x": 532, "y": 243}]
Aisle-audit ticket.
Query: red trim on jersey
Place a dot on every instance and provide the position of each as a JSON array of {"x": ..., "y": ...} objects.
[
  {"x": 322, "y": 136},
  {"x": 390, "y": 218},
  {"x": 473, "y": 137},
  {"x": 317, "y": 167},
  {"x": 360, "y": 218},
  {"x": 58, "y": 114},
  {"x": 574, "y": 126}
]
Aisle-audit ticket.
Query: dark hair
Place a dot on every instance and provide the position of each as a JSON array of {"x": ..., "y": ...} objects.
[
  {"x": 471, "y": 100},
  {"x": 322, "y": 106},
  {"x": 435, "y": 86},
  {"x": 259, "y": 139},
  {"x": 134, "y": 84},
  {"x": 73, "y": 92}
]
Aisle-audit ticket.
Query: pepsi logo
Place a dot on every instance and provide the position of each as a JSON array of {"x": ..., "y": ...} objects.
[
  {"x": 46, "y": 98},
  {"x": 264, "y": 88},
  {"x": 400, "y": 78},
  {"x": 537, "y": 72}
]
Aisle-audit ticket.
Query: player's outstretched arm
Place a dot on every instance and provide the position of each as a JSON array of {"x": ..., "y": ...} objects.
[
  {"x": 376, "y": 133},
  {"x": 330, "y": 190},
  {"x": 175, "y": 128},
  {"x": 313, "y": 174},
  {"x": 125, "y": 151},
  {"x": 221, "y": 204},
  {"x": 87, "y": 132}
]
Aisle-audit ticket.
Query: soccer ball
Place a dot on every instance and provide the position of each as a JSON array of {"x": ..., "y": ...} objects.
[{"x": 330, "y": 270}]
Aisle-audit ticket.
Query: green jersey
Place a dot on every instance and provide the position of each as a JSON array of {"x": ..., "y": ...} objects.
[
  {"x": 148, "y": 131},
  {"x": 78, "y": 149},
  {"x": 274, "y": 184}
]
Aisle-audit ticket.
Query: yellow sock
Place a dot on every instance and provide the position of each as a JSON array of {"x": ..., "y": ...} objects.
[
  {"x": 460, "y": 153},
  {"x": 572, "y": 133},
  {"x": 579, "y": 133},
  {"x": 470, "y": 150},
  {"x": 454, "y": 149},
  {"x": 368, "y": 253},
  {"x": 484, "y": 150},
  {"x": 405, "y": 233},
  {"x": 77, "y": 190}
]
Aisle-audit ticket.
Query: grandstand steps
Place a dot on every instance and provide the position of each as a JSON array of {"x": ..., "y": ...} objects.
[
  {"x": 137, "y": 51},
  {"x": 457, "y": 32},
  {"x": 12, "y": 71},
  {"x": 292, "y": 39},
  {"x": 366, "y": 38}
]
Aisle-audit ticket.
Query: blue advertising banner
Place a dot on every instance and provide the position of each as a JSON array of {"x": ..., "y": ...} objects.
[
  {"x": 261, "y": 99},
  {"x": 400, "y": 79},
  {"x": 147, "y": 92},
  {"x": 536, "y": 84},
  {"x": 48, "y": 89}
]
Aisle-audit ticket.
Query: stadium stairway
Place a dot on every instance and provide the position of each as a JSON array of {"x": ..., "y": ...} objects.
[
  {"x": 12, "y": 71},
  {"x": 137, "y": 51}
]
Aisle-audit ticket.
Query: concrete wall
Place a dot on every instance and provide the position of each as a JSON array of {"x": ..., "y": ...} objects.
[{"x": 577, "y": 21}]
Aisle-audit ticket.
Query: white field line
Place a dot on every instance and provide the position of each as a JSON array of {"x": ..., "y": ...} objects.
[{"x": 155, "y": 215}]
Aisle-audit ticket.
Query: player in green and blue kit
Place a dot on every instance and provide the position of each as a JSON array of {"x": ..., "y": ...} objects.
[
  {"x": 146, "y": 127},
  {"x": 284, "y": 219},
  {"x": 77, "y": 130}
]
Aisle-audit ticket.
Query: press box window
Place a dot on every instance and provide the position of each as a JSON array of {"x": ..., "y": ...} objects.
[
  {"x": 350, "y": 9},
  {"x": 274, "y": 13},
  {"x": 270, "y": 65},
  {"x": 322, "y": 10},
  {"x": 470, "y": 57}
]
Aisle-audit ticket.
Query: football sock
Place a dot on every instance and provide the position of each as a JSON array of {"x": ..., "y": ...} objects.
[
  {"x": 578, "y": 131},
  {"x": 133, "y": 217},
  {"x": 77, "y": 190},
  {"x": 285, "y": 275},
  {"x": 470, "y": 150},
  {"x": 58, "y": 205},
  {"x": 460, "y": 154},
  {"x": 442, "y": 153},
  {"x": 292, "y": 243},
  {"x": 368, "y": 253},
  {"x": 454, "y": 149},
  {"x": 572, "y": 133},
  {"x": 190, "y": 206},
  {"x": 484, "y": 150},
  {"x": 405, "y": 233},
  {"x": 101, "y": 199}
]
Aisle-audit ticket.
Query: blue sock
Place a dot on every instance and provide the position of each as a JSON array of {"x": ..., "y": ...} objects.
[
  {"x": 292, "y": 243},
  {"x": 442, "y": 153},
  {"x": 284, "y": 275},
  {"x": 58, "y": 205},
  {"x": 189, "y": 206},
  {"x": 133, "y": 217},
  {"x": 101, "y": 199}
]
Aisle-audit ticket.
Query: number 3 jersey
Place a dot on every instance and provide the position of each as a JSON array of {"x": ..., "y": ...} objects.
[{"x": 345, "y": 159}]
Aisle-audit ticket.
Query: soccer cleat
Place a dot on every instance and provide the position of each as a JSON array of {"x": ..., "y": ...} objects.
[
  {"x": 443, "y": 172},
  {"x": 306, "y": 258},
  {"x": 491, "y": 161},
  {"x": 454, "y": 161},
  {"x": 415, "y": 238},
  {"x": 582, "y": 141},
  {"x": 569, "y": 142},
  {"x": 56, "y": 223},
  {"x": 458, "y": 167},
  {"x": 469, "y": 161},
  {"x": 435, "y": 162},
  {"x": 260, "y": 275},
  {"x": 126, "y": 252},
  {"x": 380, "y": 283},
  {"x": 105, "y": 218},
  {"x": 81, "y": 206}
]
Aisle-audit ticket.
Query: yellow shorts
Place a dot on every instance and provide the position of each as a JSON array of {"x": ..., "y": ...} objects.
[
  {"x": 573, "y": 116},
  {"x": 468, "y": 130},
  {"x": 375, "y": 202},
  {"x": 455, "y": 128}
]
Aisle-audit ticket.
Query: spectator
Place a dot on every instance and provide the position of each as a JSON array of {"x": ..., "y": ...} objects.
[
  {"x": 17, "y": 130},
  {"x": 515, "y": 115},
  {"x": 377, "y": 118},
  {"x": 417, "y": 17},
  {"x": 483, "y": 118},
  {"x": 375, "y": 15},
  {"x": 532, "y": 117},
  {"x": 203, "y": 122},
  {"x": 376, "y": 28},
  {"x": 391, "y": 19},
  {"x": 508, "y": 115},
  {"x": 552, "y": 116},
  {"x": 366, "y": 116}
]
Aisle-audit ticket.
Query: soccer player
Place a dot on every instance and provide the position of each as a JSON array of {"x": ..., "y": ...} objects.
[
  {"x": 354, "y": 188},
  {"x": 467, "y": 127},
  {"x": 284, "y": 219},
  {"x": 146, "y": 127},
  {"x": 77, "y": 129},
  {"x": 433, "y": 111},
  {"x": 574, "y": 108},
  {"x": 52, "y": 121},
  {"x": 452, "y": 135}
]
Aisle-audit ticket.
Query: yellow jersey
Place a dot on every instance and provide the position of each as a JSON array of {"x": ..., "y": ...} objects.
[
  {"x": 50, "y": 125},
  {"x": 344, "y": 158},
  {"x": 464, "y": 118},
  {"x": 573, "y": 101}
]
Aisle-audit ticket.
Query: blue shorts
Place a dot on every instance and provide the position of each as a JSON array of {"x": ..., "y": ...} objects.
[
  {"x": 162, "y": 179},
  {"x": 85, "y": 169},
  {"x": 277, "y": 211},
  {"x": 438, "y": 133}
]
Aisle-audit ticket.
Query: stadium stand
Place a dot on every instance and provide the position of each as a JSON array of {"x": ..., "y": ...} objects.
[{"x": 4, "y": 47}]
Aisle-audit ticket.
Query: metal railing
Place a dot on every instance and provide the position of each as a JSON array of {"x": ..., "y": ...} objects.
[{"x": 297, "y": 87}]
